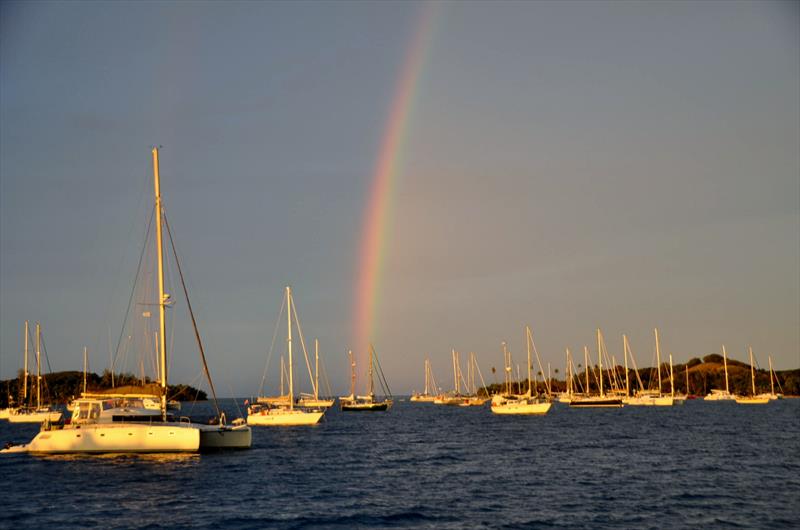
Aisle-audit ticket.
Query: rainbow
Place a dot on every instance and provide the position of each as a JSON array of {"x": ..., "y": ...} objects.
[{"x": 378, "y": 211}]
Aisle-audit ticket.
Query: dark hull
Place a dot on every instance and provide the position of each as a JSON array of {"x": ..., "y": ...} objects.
[
  {"x": 365, "y": 407},
  {"x": 596, "y": 403}
]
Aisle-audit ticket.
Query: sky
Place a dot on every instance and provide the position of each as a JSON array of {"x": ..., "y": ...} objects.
[{"x": 564, "y": 165}]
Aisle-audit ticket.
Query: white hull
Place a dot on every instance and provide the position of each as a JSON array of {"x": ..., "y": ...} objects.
[
  {"x": 35, "y": 417},
  {"x": 228, "y": 437},
  {"x": 422, "y": 399},
  {"x": 649, "y": 401},
  {"x": 719, "y": 397},
  {"x": 114, "y": 438},
  {"x": 5, "y": 413},
  {"x": 521, "y": 408},
  {"x": 281, "y": 417},
  {"x": 315, "y": 402},
  {"x": 752, "y": 400}
]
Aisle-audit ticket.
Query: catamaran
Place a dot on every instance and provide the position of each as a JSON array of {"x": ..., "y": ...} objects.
[
  {"x": 527, "y": 403},
  {"x": 650, "y": 396},
  {"x": 601, "y": 399},
  {"x": 124, "y": 424},
  {"x": 314, "y": 400},
  {"x": 283, "y": 414},
  {"x": 368, "y": 403}
]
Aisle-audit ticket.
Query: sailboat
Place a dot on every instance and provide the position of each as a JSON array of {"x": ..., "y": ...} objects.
[
  {"x": 127, "y": 424},
  {"x": 354, "y": 403},
  {"x": 313, "y": 400},
  {"x": 527, "y": 403},
  {"x": 646, "y": 397},
  {"x": 428, "y": 395},
  {"x": 717, "y": 394},
  {"x": 472, "y": 399},
  {"x": 601, "y": 399},
  {"x": 772, "y": 378},
  {"x": 40, "y": 413},
  {"x": 752, "y": 399},
  {"x": 285, "y": 414},
  {"x": 454, "y": 397}
]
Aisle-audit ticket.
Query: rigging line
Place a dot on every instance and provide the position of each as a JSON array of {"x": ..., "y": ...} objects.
[
  {"x": 382, "y": 377},
  {"x": 133, "y": 288},
  {"x": 271, "y": 347},
  {"x": 305, "y": 351},
  {"x": 191, "y": 314}
]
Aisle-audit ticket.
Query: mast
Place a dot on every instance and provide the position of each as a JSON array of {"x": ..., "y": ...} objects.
[
  {"x": 528, "y": 346},
  {"x": 163, "y": 298},
  {"x": 427, "y": 376},
  {"x": 569, "y": 375},
  {"x": 687, "y": 380},
  {"x": 455, "y": 373},
  {"x": 658, "y": 361},
  {"x": 671, "y": 378},
  {"x": 627, "y": 377},
  {"x": 38, "y": 367},
  {"x": 289, "y": 341},
  {"x": 352, "y": 374},
  {"x": 316, "y": 368},
  {"x": 25, "y": 386},
  {"x": 586, "y": 363},
  {"x": 371, "y": 382},
  {"x": 771, "y": 381},
  {"x": 725, "y": 361},
  {"x": 283, "y": 371},
  {"x": 85, "y": 367},
  {"x": 600, "y": 360},
  {"x": 507, "y": 369},
  {"x": 752, "y": 370}
]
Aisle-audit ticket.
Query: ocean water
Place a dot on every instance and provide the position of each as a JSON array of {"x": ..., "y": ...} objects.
[{"x": 420, "y": 465}]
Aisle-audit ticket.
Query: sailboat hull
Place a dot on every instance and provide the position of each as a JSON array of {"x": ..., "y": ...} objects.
[
  {"x": 281, "y": 417},
  {"x": 522, "y": 408},
  {"x": 113, "y": 438},
  {"x": 35, "y": 417},
  {"x": 596, "y": 402},
  {"x": 752, "y": 400},
  {"x": 649, "y": 401},
  {"x": 365, "y": 407},
  {"x": 421, "y": 398},
  {"x": 214, "y": 437}
]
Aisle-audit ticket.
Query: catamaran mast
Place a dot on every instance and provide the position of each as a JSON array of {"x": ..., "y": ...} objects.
[
  {"x": 627, "y": 377},
  {"x": 586, "y": 363},
  {"x": 600, "y": 360},
  {"x": 352, "y": 374},
  {"x": 771, "y": 381},
  {"x": 163, "y": 298},
  {"x": 85, "y": 367},
  {"x": 528, "y": 346},
  {"x": 371, "y": 382},
  {"x": 752, "y": 370},
  {"x": 316, "y": 369},
  {"x": 289, "y": 341},
  {"x": 671, "y": 378}
]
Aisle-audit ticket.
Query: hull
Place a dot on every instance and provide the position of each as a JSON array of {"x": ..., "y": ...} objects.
[
  {"x": 522, "y": 408},
  {"x": 35, "y": 417},
  {"x": 422, "y": 399},
  {"x": 215, "y": 437},
  {"x": 597, "y": 402},
  {"x": 752, "y": 400},
  {"x": 719, "y": 397},
  {"x": 279, "y": 417},
  {"x": 315, "y": 402},
  {"x": 114, "y": 438},
  {"x": 649, "y": 401},
  {"x": 365, "y": 407},
  {"x": 5, "y": 413}
]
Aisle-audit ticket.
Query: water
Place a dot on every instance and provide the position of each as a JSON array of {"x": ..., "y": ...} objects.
[{"x": 427, "y": 466}]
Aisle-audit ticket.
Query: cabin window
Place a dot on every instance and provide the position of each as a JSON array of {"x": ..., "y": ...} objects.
[{"x": 95, "y": 413}]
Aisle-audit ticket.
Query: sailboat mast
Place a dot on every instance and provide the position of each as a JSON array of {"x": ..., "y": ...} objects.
[
  {"x": 627, "y": 376},
  {"x": 162, "y": 296},
  {"x": 658, "y": 361},
  {"x": 687, "y": 379},
  {"x": 38, "y": 367},
  {"x": 752, "y": 370},
  {"x": 528, "y": 346},
  {"x": 352, "y": 373},
  {"x": 725, "y": 361},
  {"x": 455, "y": 371},
  {"x": 586, "y": 363},
  {"x": 569, "y": 375},
  {"x": 771, "y": 381},
  {"x": 283, "y": 372},
  {"x": 671, "y": 378},
  {"x": 600, "y": 359},
  {"x": 85, "y": 367},
  {"x": 25, "y": 386},
  {"x": 371, "y": 382},
  {"x": 316, "y": 368},
  {"x": 506, "y": 369},
  {"x": 289, "y": 341},
  {"x": 427, "y": 376}
]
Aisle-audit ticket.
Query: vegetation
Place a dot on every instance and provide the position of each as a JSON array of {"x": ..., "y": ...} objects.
[{"x": 61, "y": 387}]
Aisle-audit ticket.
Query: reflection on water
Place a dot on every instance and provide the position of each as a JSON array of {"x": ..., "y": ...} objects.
[{"x": 126, "y": 458}]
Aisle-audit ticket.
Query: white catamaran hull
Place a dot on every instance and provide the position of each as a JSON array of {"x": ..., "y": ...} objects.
[
  {"x": 522, "y": 408},
  {"x": 752, "y": 400},
  {"x": 113, "y": 438},
  {"x": 35, "y": 417},
  {"x": 649, "y": 401},
  {"x": 280, "y": 417}
]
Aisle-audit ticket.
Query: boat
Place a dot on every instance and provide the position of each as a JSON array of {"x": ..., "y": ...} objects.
[
  {"x": 285, "y": 414},
  {"x": 430, "y": 385},
  {"x": 526, "y": 404},
  {"x": 718, "y": 394},
  {"x": 649, "y": 397},
  {"x": 601, "y": 399},
  {"x": 368, "y": 403},
  {"x": 313, "y": 400},
  {"x": 772, "y": 378},
  {"x": 39, "y": 413},
  {"x": 126, "y": 424},
  {"x": 753, "y": 399}
]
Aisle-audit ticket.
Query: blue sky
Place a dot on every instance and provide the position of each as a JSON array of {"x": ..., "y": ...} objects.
[{"x": 568, "y": 165}]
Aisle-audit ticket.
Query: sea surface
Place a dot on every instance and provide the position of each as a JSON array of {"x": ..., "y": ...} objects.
[{"x": 701, "y": 465}]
